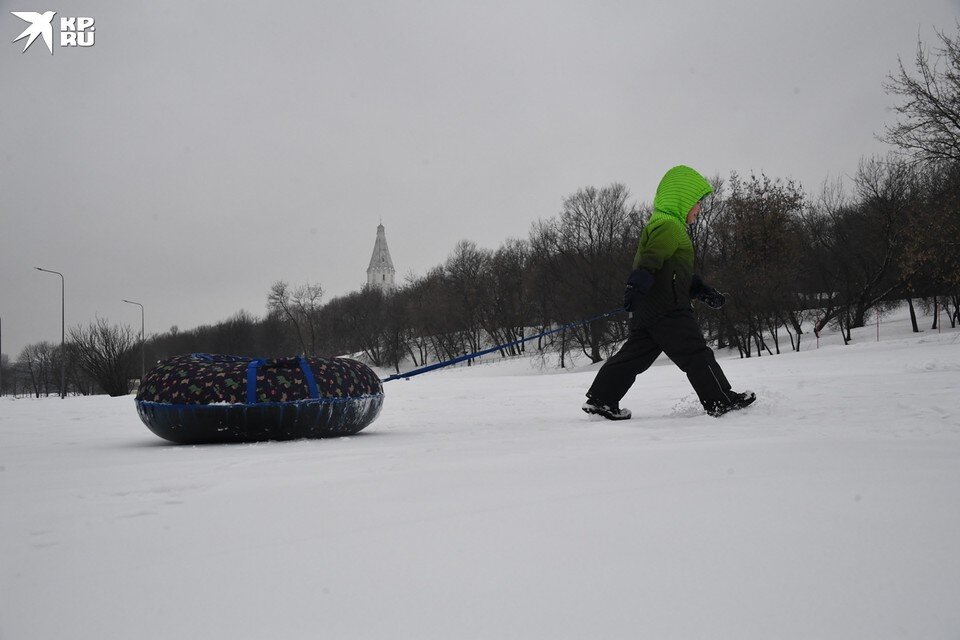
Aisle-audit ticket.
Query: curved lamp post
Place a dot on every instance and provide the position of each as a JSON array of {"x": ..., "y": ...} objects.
[
  {"x": 63, "y": 332},
  {"x": 143, "y": 360}
]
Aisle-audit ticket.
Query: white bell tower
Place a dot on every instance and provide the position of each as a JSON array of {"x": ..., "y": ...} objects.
[{"x": 381, "y": 273}]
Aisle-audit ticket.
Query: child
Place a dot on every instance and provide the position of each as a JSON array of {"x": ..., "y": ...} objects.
[{"x": 658, "y": 296}]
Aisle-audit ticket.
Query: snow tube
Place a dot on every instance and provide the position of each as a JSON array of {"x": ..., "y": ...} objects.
[{"x": 202, "y": 398}]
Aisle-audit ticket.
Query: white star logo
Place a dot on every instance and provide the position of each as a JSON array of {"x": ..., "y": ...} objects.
[{"x": 39, "y": 26}]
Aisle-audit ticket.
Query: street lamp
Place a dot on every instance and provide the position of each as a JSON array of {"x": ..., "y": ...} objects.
[
  {"x": 63, "y": 333},
  {"x": 143, "y": 358}
]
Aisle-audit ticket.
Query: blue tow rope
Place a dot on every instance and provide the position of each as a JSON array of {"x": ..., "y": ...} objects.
[{"x": 477, "y": 354}]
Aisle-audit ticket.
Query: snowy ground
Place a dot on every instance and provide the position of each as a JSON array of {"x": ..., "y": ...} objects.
[{"x": 483, "y": 504}]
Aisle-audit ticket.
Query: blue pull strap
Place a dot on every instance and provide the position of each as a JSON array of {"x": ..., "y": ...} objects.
[
  {"x": 308, "y": 374},
  {"x": 252, "y": 380}
]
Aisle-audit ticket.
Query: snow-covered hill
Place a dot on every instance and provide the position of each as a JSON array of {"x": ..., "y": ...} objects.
[{"x": 483, "y": 504}]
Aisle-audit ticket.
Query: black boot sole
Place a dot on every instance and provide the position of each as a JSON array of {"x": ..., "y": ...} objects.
[
  {"x": 609, "y": 415},
  {"x": 719, "y": 411}
]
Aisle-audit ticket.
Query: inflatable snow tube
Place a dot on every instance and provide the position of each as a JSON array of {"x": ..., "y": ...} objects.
[{"x": 203, "y": 398}]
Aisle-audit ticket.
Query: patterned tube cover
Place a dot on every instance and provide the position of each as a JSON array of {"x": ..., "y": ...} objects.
[{"x": 200, "y": 378}]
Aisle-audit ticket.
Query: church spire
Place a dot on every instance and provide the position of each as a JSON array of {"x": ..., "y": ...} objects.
[{"x": 381, "y": 273}]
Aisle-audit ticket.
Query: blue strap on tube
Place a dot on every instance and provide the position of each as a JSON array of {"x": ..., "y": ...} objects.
[
  {"x": 308, "y": 374},
  {"x": 252, "y": 380}
]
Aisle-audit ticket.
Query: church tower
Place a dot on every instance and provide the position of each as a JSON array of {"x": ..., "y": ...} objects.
[{"x": 380, "y": 273}]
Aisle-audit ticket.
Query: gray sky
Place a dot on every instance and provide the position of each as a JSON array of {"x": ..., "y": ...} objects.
[{"x": 200, "y": 151}]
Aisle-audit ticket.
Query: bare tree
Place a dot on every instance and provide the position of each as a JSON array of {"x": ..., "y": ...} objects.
[
  {"x": 300, "y": 308},
  {"x": 504, "y": 294},
  {"x": 463, "y": 272},
  {"x": 435, "y": 314},
  {"x": 107, "y": 353},
  {"x": 585, "y": 255},
  {"x": 929, "y": 125},
  {"x": 756, "y": 255},
  {"x": 358, "y": 321},
  {"x": 713, "y": 209},
  {"x": 397, "y": 328},
  {"x": 417, "y": 313},
  {"x": 931, "y": 256},
  {"x": 858, "y": 244},
  {"x": 36, "y": 364},
  {"x": 5, "y": 371}
]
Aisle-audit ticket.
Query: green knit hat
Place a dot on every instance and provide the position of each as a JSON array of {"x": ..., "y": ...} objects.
[{"x": 679, "y": 190}]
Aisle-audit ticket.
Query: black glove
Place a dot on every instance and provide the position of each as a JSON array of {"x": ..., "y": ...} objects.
[
  {"x": 638, "y": 284},
  {"x": 713, "y": 298},
  {"x": 705, "y": 293}
]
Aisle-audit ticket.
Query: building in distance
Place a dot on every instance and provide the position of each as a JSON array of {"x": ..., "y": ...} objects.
[{"x": 380, "y": 273}]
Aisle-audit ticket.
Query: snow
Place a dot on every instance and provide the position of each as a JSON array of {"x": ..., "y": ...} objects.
[{"x": 483, "y": 504}]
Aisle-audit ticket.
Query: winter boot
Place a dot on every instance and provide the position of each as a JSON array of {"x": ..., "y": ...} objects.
[
  {"x": 737, "y": 401},
  {"x": 609, "y": 410}
]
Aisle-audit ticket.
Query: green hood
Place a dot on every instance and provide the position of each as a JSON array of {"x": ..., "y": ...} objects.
[{"x": 679, "y": 190}]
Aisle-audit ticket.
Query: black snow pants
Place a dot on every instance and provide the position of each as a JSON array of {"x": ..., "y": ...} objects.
[{"x": 677, "y": 334}]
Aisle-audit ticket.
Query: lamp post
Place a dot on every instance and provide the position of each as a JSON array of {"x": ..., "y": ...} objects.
[
  {"x": 143, "y": 358},
  {"x": 63, "y": 332}
]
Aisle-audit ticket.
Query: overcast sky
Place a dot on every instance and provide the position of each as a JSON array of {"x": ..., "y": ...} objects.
[{"x": 200, "y": 151}]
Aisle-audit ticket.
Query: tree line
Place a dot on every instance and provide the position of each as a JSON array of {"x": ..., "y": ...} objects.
[{"x": 788, "y": 261}]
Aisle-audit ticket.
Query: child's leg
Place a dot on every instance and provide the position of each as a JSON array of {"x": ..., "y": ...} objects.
[
  {"x": 619, "y": 372},
  {"x": 681, "y": 339}
]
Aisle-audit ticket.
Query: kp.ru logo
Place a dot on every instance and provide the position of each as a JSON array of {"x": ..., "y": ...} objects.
[{"x": 74, "y": 32}]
